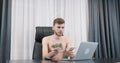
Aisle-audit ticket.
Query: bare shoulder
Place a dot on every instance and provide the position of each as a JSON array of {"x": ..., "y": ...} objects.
[
  {"x": 66, "y": 38},
  {"x": 47, "y": 37}
]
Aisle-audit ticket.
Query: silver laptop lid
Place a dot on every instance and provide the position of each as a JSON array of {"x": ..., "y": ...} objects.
[{"x": 86, "y": 50}]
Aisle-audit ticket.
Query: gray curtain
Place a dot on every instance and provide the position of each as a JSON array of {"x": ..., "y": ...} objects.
[
  {"x": 104, "y": 27},
  {"x": 5, "y": 30}
]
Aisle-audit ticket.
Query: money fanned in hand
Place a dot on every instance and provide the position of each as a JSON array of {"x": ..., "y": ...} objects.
[
  {"x": 60, "y": 45},
  {"x": 54, "y": 46},
  {"x": 57, "y": 45},
  {"x": 71, "y": 49}
]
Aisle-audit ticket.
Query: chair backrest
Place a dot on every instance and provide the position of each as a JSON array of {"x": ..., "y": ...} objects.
[{"x": 40, "y": 33}]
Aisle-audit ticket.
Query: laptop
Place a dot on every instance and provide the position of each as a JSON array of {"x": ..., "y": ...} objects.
[{"x": 85, "y": 51}]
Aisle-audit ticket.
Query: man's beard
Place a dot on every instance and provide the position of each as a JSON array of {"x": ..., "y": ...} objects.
[{"x": 58, "y": 34}]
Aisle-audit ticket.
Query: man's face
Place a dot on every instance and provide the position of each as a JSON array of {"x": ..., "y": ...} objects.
[{"x": 58, "y": 29}]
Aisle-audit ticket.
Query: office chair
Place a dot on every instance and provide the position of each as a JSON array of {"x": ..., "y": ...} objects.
[{"x": 40, "y": 33}]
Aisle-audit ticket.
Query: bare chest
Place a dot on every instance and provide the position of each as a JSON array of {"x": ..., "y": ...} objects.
[{"x": 58, "y": 42}]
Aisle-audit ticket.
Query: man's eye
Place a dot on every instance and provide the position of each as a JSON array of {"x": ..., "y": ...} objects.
[
  {"x": 62, "y": 27},
  {"x": 58, "y": 27}
]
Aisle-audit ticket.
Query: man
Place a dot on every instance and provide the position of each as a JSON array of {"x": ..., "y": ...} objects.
[{"x": 57, "y": 46}]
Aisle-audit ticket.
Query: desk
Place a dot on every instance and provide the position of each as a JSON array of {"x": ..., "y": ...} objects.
[{"x": 82, "y": 61}]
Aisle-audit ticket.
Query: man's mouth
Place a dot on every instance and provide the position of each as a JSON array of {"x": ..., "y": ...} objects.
[{"x": 60, "y": 32}]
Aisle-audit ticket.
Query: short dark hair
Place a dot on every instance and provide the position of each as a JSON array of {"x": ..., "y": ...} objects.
[{"x": 58, "y": 21}]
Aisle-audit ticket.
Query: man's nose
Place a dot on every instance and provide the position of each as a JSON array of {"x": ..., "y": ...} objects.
[{"x": 61, "y": 29}]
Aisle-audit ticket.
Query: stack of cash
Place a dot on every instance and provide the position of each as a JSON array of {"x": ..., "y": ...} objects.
[{"x": 57, "y": 45}]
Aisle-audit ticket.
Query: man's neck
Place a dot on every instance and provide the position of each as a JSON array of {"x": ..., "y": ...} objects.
[{"x": 56, "y": 37}]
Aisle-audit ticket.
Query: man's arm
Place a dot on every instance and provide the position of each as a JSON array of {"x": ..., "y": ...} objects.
[
  {"x": 44, "y": 48},
  {"x": 69, "y": 45},
  {"x": 69, "y": 49}
]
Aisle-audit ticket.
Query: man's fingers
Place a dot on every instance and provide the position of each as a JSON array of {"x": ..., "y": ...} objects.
[{"x": 57, "y": 57}]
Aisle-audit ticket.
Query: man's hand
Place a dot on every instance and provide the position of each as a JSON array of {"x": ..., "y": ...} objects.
[
  {"x": 69, "y": 54},
  {"x": 58, "y": 50},
  {"x": 57, "y": 57},
  {"x": 51, "y": 54}
]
